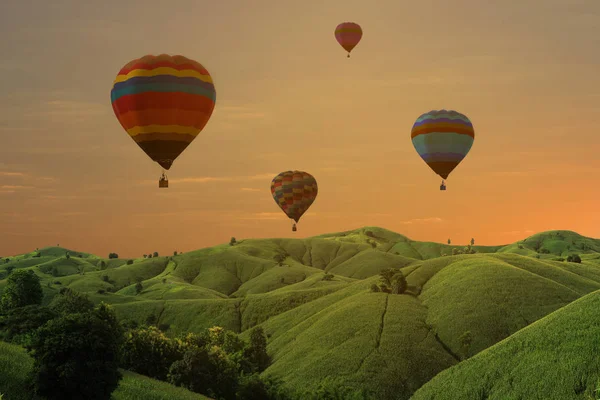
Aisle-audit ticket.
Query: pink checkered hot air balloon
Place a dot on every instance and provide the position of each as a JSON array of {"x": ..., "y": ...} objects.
[{"x": 348, "y": 34}]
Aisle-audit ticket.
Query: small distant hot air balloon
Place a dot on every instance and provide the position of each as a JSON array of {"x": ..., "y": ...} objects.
[
  {"x": 163, "y": 102},
  {"x": 348, "y": 34},
  {"x": 294, "y": 192},
  {"x": 443, "y": 139}
]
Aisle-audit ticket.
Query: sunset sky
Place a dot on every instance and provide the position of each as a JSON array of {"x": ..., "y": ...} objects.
[{"x": 526, "y": 72}]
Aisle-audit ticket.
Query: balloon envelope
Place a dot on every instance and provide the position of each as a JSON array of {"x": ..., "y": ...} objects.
[
  {"x": 294, "y": 192},
  {"x": 348, "y": 34},
  {"x": 163, "y": 102},
  {"x": 443, "y": 138}
]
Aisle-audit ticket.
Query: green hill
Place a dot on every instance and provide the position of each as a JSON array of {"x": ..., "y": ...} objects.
[
  {"x": 15, "y": 364},
  {"x": 312, "y": 296},
  {"x": 557, "y": 357}
]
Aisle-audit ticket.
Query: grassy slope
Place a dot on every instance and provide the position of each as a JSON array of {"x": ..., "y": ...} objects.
[
  {"x": 15, "y": 364},
  {"x": 555, "y": 358},
  {"x": 390, "y": 344}
]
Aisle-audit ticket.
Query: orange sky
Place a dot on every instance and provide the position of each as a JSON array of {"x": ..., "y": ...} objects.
[{"x": 525, "y": 72}]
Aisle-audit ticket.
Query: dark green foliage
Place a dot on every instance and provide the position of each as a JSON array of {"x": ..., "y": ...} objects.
[
  {"x": 69, "y": 301},
  {"x": 38, "y": 254},
  {"x": 129, "y": 262},
  {"x": 139, "y": 287},
  {"x": 399, "y": 283},
  {"x": 10, "y": 268},
  {"x": 174, "y": 253},
  {"x": 472, "y": 241},
  {"x": 329, "y": 389},
  {"x": 392, "y": 280},
  {"x": 255, "y": 387},
  {"x": 76, "y": 356},
  {"x": 369, "y": 234},
  {"x": 375, "y": 288},
  {"x": 456, "y": 251},
  {"x": 67, "y": 255},
  {"x": 232, "y": 242},
  {"x": 155, "y": 254},
  {"x": 574, "y": 258},
  {"x": 544, "y": 251},
  {"x": 256, "y": 351},
  {"x": 449, "y": 241},
  {"x": 328, "y": 277},
  {"x": 22, "y": 321},
  {"x": 23, "y": 288},
  {"x": 465, "y": 340},
  {"x": 113, "y": 255},
  {"x": 280, "y": 258},
  {"x": 149, "y": 352},
  {"x": 164, "y": 280},
  {"x": 149, "y": 256},
  {"x": 207, "y": 371},
  {"x": 57, "y": 282},
  {"x": 102, "y": 265},
  {"x": 105, "y": 278},
  {"x": 101, "y": 291}
]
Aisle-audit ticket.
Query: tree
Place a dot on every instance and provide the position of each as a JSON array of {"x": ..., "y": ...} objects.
[
  {"x": 472, "y": 241},
  {"x": 113, "y": 255},
  {"x": 232, "y": 242},
  {"x": 76, "y": 356},
  {"x": 67, "y": 255},
  {"x": 155, "y": 254},
  {"x": 102, "y": 265},
  {"x": 129, "y": 262},
  {"x": 574, "y": 258},
  {"x": 69, "y": 301},
  {"x": 399, "y": 283},
  {"x": 22, "y": 289},
  {"x": 466, "y": 339},
  {"x": 328, "y": 277},
  {"x": 19, "y": 322},
  {"x": 149, "y": 255},
  {"x": 449, "y": 242},
  {"x": 139, "y": 287},
  {"x": 256, "y": 351},
  {"x": 375, "y": 288},
  {"x": 145, "y": 255},
  {"x": 149, "y": 352}
]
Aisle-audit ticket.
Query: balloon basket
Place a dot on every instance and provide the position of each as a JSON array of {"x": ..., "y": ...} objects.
[
  {"x": 294, "y": 229},
  {"x": 163, "y": 183},
  {"x": 442, "y": 187}
]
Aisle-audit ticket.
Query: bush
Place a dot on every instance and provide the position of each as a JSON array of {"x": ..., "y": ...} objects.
[
  {"x": 57, "y": 282},
  {"x": 76, "y": 356},
  {"x": 149, "y": 352},
  {"x": 232, "y": 242},
  {"x": 256, "y": 351},
  {"x": 375, "y": 288},
  {"x": 22, "y": 321},
  {"x": 155, "y": 254},
  {"x": 456, "y": 251},
  {"x": 328, "y": 277},
  {"x": 105, "y": 278},
  {"x": 102, "y": 265},
  {"x": 255, "y": 387},
  {"x": 101, "y": 291},
  {"x": 544, "y": 251},
  {"x": 399, "y": 284},
  {"x": 139, "y": 287},
  {"x": 574, "y": 258},
  {"x": 164, "y": 280},
  {"x": 521, "y": 246},
  {"x": 69, "y": 301},
  {"x": 369, "y": 234},
  {"x": 67, "y": 255},
  {"x": 129, "y": 262},
  {"x": 23, "y": 288}
]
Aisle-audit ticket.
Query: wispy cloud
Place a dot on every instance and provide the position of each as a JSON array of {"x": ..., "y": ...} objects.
[
  {"x": 263, "y": 216},
  {"x": 67, "y": 109},
  {"x": 211, "y": 179},
  {"x": 250, "y": 190},
  {"x": 422, "y": 220},
  {"x": 6, "y": 173},
  {"x": 15, "y": 187}
]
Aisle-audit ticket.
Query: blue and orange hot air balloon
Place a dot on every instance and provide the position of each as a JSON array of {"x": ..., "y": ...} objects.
[
  {"x": 348, "y": 34},
  {"x": 294, "y": 192},
  {"x": 443, "y": 139},
  {"x": 163, "y": 102}
]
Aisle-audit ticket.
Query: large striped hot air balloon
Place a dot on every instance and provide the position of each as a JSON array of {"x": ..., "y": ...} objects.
[
  {"x": 294, "y": 192},
  {"x": 163, "y": 102},
  {"x": 348, "y": 34},
  {"x": 443, "y": 139}
]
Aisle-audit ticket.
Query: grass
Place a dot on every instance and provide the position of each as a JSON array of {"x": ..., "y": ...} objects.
[
  {"x": 557, "y": 357},
  {"x": 390, "y": 344}
]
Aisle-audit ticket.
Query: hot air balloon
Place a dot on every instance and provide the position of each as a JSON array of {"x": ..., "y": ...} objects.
[
  {"x": 163, "y": 102},
  {"x": 442, "y": 139},
  {"x": 294, "y": 192},
  {"x": 348, "y": 34}
]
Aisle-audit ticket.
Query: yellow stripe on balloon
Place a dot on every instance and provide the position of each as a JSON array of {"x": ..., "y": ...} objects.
[
  {"x": 164, "y": 71},
  {"x": 140, "y": 130}
]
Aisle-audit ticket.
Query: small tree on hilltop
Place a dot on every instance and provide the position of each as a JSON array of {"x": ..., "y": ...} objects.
[
  {"x": 139, "y": 287},
  {"x": 449, "y": 242},
  {"x": 472, "y": 241},
  {"x": 70, "y": 301},
  {"x": 466, "y": 339},
  {"x": 574, "y": 258},
  {"x": 174, "y": 253},
  {"x": 67, "y": 255},
  {"x": 155, "y": 254},
  {"x": 232, "y": 241},
  {"x": 23, "y": 288},
  {"x": 399, "y": 283}
]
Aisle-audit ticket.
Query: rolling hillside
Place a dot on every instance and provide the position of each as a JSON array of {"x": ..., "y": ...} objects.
[{"x": 312, "y": 296}]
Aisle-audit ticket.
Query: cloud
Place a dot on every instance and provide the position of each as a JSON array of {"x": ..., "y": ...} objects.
[
  {"x": 422, "y": 220},
  {"x": 211, "y": 179},
  {"x": 67, "y": 109},
  {"x": 5, "y": 173},
  {"x": 263, "y": 216},
  {"x": 250, "y": 190},
  {"x": 15, "y": 187}
]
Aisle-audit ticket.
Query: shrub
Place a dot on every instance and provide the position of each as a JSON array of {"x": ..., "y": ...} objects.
[
  {"x": 22, "y": 321},
  {"x": 105, "y": 278},
  {"x": 232, "y": 241},
  {"x": 69, "y": 301},
  {"x": 155, "y": 254},
  {"x": 574, "y": 258},
  {"x": 149, "y": 352},
  {"x": 164, "y": 280},
  {"x": 113, "y": 255},
  {"x": 375, "y": 288},
  {"x": 23, "y": 288},
  {"x": 129, "y": 262},
  {"x": 67, "y": 255},
  {"x": 456, "y": 251},
  {"x": 369, "y": 234},
  {"x": 256, "y": 351},
  {"x": 521, "y": 246},
  {"x": 328, "y": 277},
  {"x": 399, "y": 284},
  {"x": 101, "y": 291},
  {"x": 70, "y": 350},
  {"x": 544, "y": 251},
  {"x": 139, "y": 287},
  {"x": 102, "y": 265},
  {"x": 174, "y": 253}
]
